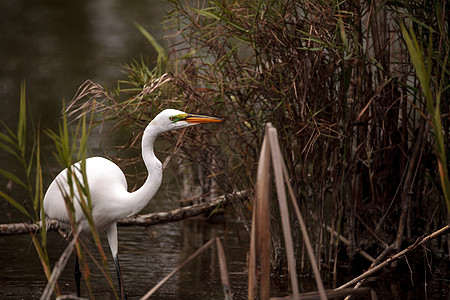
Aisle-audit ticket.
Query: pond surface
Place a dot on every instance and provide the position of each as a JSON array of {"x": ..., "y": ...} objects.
[
  {"x": 55, "y": 46},
  {"x": 147, "y": 256}
]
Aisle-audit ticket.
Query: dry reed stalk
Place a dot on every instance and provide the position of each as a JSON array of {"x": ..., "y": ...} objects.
[
  {"x": 260, "y": 235},
  {"x": 59, "y": 267},
  {"x": 277, "y": 160},
  {"x": 276, "y": 149},
  {"x": 223, "y": 270},
  {"x": 252, "y": 262}
]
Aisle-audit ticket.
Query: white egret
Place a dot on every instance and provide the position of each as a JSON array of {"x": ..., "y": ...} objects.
[{"x": 108, "y": 187}]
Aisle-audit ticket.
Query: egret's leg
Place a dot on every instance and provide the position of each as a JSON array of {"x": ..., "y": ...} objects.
[
  {"x": 77, "y": 275},
  {"x": 111, "y": 234},
  {"x": 122, "y": 293}
]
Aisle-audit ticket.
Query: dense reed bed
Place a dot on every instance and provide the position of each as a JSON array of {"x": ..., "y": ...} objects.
[
  {"x": 356, "y": 119},
  {"x": 357, "y": 90}
]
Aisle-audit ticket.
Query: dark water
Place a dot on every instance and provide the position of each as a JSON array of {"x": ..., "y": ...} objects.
[
  {"x": 55, "y": 46},
  {"x": 147, "y": 256}
]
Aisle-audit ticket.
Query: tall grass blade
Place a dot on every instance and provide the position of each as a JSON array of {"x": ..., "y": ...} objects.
[
  {"x": 423, "y": 72},
  {"x": 38, "y": 188},
  {"x": 260, "y": 234},
  {"x": 13, "y": 178},
  {"x": 262, "y": 208},
  {"x": 42, "y": 256},
  {"x": 162, "y": 55},
  {"x": 22, "y": 128},
  {"x": 11, "y": 151},
  {"x": 15, "y": 204}
]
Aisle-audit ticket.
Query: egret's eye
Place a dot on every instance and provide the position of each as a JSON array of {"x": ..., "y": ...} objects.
[{"x": 177, "y": 118}]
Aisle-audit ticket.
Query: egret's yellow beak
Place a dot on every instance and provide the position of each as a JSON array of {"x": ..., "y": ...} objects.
[{"x": 198, "y": 119}]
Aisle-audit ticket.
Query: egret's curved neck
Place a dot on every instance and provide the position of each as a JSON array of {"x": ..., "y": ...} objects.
[{"x": 143, "y": 195}]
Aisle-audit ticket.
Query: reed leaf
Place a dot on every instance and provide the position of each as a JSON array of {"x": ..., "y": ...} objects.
[
  {"x": 15, "y": 204},
  {"x": 6, "y": 138},
  {"x": 43, "y": 257},
  {"x": 38, "y": 188},
  {"x": 22, "y": 124},
  {"x": 13, "y": 178},
  {"x": 423, "y": 68},
  {"x": 73, "y": 145},
  {"x": 162, "y": 56},
  {"x": 11, "y": 151}
]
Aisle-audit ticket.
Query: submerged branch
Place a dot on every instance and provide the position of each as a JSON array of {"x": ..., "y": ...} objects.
[{"x": 140, "y": 220}]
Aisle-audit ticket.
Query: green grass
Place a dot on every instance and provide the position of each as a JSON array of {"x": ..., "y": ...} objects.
[{"x": 70, "y": 143}]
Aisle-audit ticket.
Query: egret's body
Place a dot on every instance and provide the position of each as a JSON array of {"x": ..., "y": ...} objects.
[
  {"x": 108, "y": 189},
  {"x": 107, "y": 184}
]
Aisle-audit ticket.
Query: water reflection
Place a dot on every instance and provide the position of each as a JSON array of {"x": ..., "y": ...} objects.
[{"x": 147, "y": 256}]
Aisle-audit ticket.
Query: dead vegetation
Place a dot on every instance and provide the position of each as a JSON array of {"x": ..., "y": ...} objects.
[
  {"x": 357, "y": 90},
  {"x": 358, "y": 93}
]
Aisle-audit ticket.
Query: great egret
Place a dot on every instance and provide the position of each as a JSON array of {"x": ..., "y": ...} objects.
[{"x": 108, "y": 187}]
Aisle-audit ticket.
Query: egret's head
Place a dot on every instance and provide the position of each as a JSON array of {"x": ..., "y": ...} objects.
[{"x": 170, "y": 119}]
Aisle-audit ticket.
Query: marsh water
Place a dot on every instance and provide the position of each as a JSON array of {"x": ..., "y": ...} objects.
[{"x": 54, "y": 46}]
